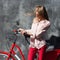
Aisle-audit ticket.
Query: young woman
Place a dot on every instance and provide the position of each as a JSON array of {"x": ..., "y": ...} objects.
[{"x": 39, "y": 26}]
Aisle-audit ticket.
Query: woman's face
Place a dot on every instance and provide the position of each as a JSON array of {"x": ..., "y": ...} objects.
[{"x": 37, "y": 12}]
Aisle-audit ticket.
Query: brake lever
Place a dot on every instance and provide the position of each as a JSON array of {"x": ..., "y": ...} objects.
[{"x": 15, "y": 31}]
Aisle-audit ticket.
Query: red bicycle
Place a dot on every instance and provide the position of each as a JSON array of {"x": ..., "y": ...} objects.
[{"x": 11, "y": 55}]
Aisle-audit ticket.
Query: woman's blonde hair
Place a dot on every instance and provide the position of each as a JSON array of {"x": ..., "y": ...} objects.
[{"x": 42, "y": 11}]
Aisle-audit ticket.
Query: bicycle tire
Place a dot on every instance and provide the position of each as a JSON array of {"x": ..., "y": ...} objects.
[{"x": 4, "y": 56}]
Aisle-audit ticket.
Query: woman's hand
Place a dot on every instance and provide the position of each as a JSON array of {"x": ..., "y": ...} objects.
[{"x": 22, "y": 31}]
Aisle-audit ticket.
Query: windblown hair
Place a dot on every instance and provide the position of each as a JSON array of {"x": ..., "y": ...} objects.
[{"x": 42, "y": 11}]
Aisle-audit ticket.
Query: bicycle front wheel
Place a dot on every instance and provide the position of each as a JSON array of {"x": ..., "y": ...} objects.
[{"x": 4, "y": 56}]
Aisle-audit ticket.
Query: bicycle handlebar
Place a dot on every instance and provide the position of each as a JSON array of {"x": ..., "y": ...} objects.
[{"x": 25, "y": 35}]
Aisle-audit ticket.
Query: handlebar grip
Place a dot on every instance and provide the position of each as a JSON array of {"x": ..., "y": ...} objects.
[{"x": 26, "y": 35}]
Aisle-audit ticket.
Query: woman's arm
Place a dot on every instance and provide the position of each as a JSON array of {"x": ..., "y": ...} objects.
[
  {"x": 22, "y": 31},
  {"x": 44, "y": 28},
  {"x": 27, "y": 31}
]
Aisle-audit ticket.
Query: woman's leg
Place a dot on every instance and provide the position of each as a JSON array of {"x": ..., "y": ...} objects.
[
  {"x": 32, "y": 53},
  {"x": 41, "y": 52}
]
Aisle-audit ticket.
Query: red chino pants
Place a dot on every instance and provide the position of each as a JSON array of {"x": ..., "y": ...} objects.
[{"x": 32, "y": 53}]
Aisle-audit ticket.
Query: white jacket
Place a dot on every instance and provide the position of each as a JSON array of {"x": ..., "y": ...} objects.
[{"x": 37, "y": 29}]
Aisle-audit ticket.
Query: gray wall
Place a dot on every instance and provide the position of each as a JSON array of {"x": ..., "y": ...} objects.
[{"x": 12, "y": 11}]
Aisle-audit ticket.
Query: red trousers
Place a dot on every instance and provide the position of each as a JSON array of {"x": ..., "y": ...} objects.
[{"x": 32, "y": 53}]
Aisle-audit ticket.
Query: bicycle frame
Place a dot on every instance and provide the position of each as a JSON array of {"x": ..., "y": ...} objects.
[
  {"x": 15, "y": 45},
  {"x": 12, "y": 52}
]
